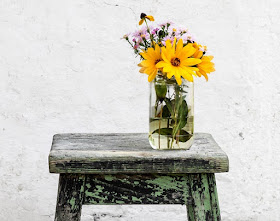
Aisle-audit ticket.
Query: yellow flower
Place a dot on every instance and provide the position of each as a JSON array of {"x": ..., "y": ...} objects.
[
  {"x": 206, "y": 66},
  {"x": 177, "y": 61},
  {"x": 143, "y": 16},
  {"x": 198, "y": 53},
  {"x": 152, "y": 57}
]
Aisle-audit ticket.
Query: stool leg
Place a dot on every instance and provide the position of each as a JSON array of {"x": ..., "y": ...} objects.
[
  {"x": 204, "y": 197},
  {"x": 70, "y": 197}
]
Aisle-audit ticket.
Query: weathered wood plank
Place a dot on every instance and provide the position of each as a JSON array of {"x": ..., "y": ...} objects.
[
  {"x": 70, "y": 197},
  {"x": 136, "y": 189},
  {"x": 131, "y": 153},
  {"x": 204, "y": 204},
  {"x": 214, "y": 197}
]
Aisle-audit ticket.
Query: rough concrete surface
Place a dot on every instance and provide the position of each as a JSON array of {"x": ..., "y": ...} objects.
[{"x": 64, "y": 68}]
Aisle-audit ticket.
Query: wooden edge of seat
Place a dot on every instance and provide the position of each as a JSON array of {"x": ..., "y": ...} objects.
[{"x": 77, "y": 162}]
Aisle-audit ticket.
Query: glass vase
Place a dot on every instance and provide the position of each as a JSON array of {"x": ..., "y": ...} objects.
[{"x": 171, "y": 114}]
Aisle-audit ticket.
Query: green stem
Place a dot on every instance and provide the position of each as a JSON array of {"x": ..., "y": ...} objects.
[
  {"x": 151, "y": 36},
  {"x": 146, "y": 43},
  {"x": 156, "y": 107},
  {"x": 178, "y": 101},
  {"x": 131, "y": 45},
  {"x": 168, "y": 136},
  {"x": 159, "y": 126}
]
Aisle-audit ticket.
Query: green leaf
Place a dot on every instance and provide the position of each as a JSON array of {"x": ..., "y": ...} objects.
[
  {"x": 184, "y": 136},
  {"x": 161, "y": 89},
  {"x": 169, "y": 105},
  {"x": 183, "y": 114},
  {"x": 163, "y": 131},
  {"x": 165, "y": 112}
]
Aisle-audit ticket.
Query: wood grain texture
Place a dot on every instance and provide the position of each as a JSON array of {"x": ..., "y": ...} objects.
[
  {"x": 70, "y": 197},
  {"x": 132, "y": 153},
  {"x": 214, "y": 197},
  {"x": 136, "y": 189}
]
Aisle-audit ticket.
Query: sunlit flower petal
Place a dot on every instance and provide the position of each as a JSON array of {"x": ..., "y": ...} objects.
[{"x": 152, "y": 62}]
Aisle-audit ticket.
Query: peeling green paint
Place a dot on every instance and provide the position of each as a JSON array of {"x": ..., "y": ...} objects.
[
  {"x": 197, "y": 191},
  {"x": 72, "y": 202},
  {"x": 87, "y": 193},
  {"x": 109, "y": 177}
]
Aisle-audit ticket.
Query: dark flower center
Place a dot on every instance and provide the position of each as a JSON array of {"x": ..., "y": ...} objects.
[
  {"x": 158, "y": 60},
  {"x": 175, "y": 61},
  {"x": 143, "y": 15}
]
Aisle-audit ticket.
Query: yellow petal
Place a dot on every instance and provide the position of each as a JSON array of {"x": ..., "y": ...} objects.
[
  {"x": 152, "y": 76},
  {"x": 187, "y": 76},
  {"x": 161, "y": 64},
  {"x": 167, "y": 68},
  {"x": 164, "y": 57},
  {"x": 204, "y": 74},
  {"x": 188, "y": 70},
  {"x": 168, "y": 45},
  {"x": 198, "y": 73},
  {"x": 174, "y": 44},
  {"x": 166, "y": 54},
  {"x": 208, "y": 58},
  {"x": 187, "y": 51},
  {"x": 157, "y": 49},
  {"x": 149, "y": 71},
  {"x": 147, "y": 63},
  {"x": 152, "y": 53},
  {"x": 178, "y": 76},
  {"x": 142, "y": 70},
  {"x": 190, "y": 61},
  {"x": 170, "y": 74},
  {"x": 198, "y": 54},
  {"x": 179, "y": 47},
  {"x": 145, "y": 55},
  {"x": 141, "y": 21},
  {"x": 151, "y": 18},
  {"x": 193, "y": 68}
]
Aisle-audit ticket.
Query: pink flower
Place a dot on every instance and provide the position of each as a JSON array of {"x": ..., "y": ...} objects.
[
  {"x": 142, "y": 31},
  {"x": 181, "y": 30},
  {"x": 154, "y": 31},
  {"x": 188, "y": 37},
  {"x": 141, "y": 34},
  {"x": 167, "y": 38},
  {"x": 165, "y": 23},
  {"x": 126, "y": 36}
]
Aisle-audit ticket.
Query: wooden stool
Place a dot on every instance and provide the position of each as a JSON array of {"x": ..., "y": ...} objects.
[{"x": 109, "y": 169}]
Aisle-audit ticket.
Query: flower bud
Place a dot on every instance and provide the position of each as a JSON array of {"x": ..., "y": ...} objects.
[{"x": 143, "y": 15}]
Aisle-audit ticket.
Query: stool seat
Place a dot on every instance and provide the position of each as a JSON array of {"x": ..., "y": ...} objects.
[{"x": 132, "y": 153}]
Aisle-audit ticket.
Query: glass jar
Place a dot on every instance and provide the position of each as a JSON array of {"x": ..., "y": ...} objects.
[{"x": 171, "y": 114}]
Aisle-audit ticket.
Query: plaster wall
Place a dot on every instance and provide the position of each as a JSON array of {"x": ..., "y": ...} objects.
[{"x": 64, "y": 68}]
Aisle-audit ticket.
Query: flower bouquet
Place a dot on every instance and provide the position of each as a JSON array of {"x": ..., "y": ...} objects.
[{"x": 170, "y": 57}]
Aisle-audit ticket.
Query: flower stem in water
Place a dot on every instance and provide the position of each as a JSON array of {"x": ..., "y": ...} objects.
[{"x": 159, "y": 125}]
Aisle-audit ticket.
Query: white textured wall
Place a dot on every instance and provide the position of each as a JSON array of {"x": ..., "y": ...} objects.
[{"x": 63, "y": 68}]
